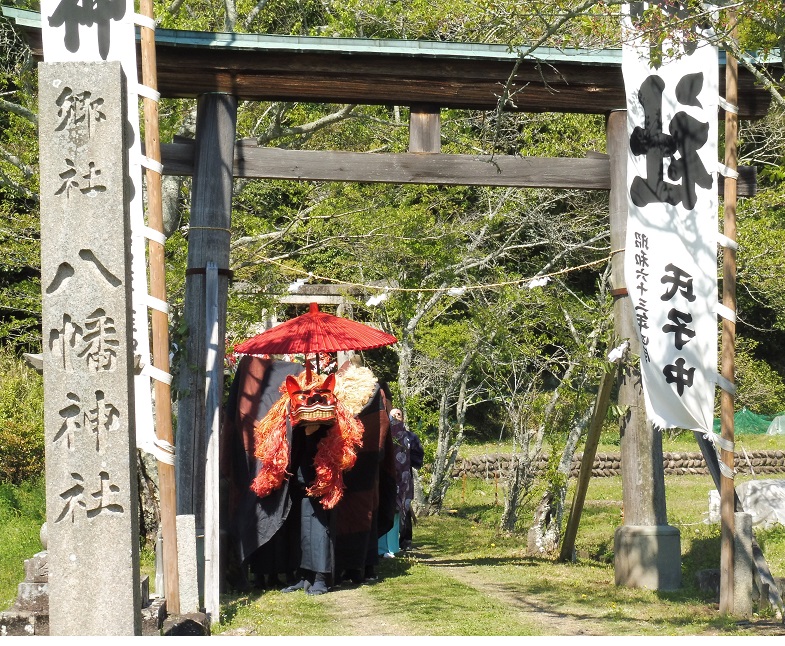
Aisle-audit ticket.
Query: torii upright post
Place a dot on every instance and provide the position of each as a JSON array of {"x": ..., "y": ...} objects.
[
  {"x": 647, "y": 550},
  {"x": 208, "y": 242}
]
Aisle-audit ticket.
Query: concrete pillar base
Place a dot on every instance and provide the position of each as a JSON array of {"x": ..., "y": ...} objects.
[
  {"x": 743, "y": 565},
  {"x": 647, "y": 557}
]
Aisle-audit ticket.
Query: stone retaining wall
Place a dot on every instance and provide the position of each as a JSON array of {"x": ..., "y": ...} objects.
[{"x": 609, "y": 464}]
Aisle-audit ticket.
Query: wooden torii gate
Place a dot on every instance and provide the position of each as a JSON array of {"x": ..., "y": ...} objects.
[
  {"x": 222, "y": 69},
  {"x": 388, "y": 77}
]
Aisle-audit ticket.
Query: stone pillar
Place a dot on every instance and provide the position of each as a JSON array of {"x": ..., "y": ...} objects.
[
  {"x": 647, "y": 551},
  {"x": 91, "y": 498},
  {"x": 187, "y": 564},
  {"x": 743, "y": 565}
]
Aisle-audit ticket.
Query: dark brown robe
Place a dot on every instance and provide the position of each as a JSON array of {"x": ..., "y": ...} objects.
[
  {"x": 367, "y": 509},
  {"x": 251, "y": 522}
]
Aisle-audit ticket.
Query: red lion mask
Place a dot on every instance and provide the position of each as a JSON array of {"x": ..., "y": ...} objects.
[
  {"x": 314, "y": 405},
  {"x": 310, "y": 402}
]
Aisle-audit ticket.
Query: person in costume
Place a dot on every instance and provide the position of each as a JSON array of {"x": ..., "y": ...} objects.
[
  {"x": 251, "y": 547},
  {"x": 305, "y": 443},
  {"x": 367, "y": 508},
  {"x": 408, "y": 455},
  {"x": 416, "y": 456}
]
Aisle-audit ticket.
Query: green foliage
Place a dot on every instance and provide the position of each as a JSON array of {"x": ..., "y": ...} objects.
[
  {"x": 20, "y": 288},
  {"x": 759, "y": 387},
  {"x": 20, "y": 291},
  {"x": 771, "y": 540},
  {"x": 22, "y": 513},
  {"x": 762, "y": 233},
  {"x": 195, "y": 15},
  {"x": 498, "y": 21},
  {"x": 762, "y": 26},
  {"x": 21, "y": 419},
  {"x": 422, "y": 417}
]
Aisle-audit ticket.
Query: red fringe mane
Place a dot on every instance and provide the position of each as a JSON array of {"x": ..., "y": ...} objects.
[{"x": 336, "y": 452}]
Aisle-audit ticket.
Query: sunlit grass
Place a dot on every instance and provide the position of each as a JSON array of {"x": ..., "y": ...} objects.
[
  {"x": 683, "y": 442},
  {"x": 444, "y": 606},
  {"x": 584, "y": 590},
  {"x": 22, "y": 512},
  {"x": 273, "y": 613},
  {"x": 466, "y": 577}
]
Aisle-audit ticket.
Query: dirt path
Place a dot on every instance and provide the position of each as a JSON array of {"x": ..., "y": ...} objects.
[
  {"x": 356, "y": 610},
  {"x": 357, "y": 614},
  {"x": 530, "y": 609},
  {"x": 554, "y": 621}
]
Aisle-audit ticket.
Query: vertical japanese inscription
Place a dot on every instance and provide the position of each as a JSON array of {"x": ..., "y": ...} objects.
[
  {"x": 678, "y": 151},
  {"x": 680, "y": 288},
  {"x": 73, "y": 14},
  {"x": 642, "y": 279},
  {"x": 80, "y": 113},
  {"x": 88, "y": 367},
  {"x": 89, "y": 343},
  {"x": 674, "y": 171},
  {"x": 672, "y": 94}
]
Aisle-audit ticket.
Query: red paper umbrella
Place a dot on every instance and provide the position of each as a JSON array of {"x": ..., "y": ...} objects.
[{"x": 315, "y": 332}]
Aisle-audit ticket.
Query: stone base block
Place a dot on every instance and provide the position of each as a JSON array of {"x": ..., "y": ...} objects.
[
  {"x": 153, "y": 617},
  {"x": 18, "y": 623},
  {"x": 647, "y": 557},
  {"x": 33, "y": 597},
  {"x": 192, "y": 624}
]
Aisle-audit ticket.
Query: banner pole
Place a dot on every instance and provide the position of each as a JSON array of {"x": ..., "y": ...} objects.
[
  {"x": 159, "y": 319},
  {"x": 727, "y": 489}
]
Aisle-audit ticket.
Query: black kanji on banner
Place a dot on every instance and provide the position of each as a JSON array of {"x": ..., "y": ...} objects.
[
  {"x": 73, "y": 13},
  {"x": 679, "y": 148}
]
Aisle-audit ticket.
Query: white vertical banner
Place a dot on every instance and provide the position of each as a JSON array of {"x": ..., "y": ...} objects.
[
  {"x": 103, "y": 30},
  {"x": 671, "y": 247}
]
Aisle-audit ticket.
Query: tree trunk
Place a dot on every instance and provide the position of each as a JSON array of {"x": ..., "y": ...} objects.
[
  {"x": 520, "y": 475},
  {"x": 436, "y": 492},
  {"x": 545, "y": 533},
  {"x": 447, "y": 453},
  {"x": 172, "y": 184},
  {"x": 149, "y": 501},
  {"x": 519, "y": 479}
]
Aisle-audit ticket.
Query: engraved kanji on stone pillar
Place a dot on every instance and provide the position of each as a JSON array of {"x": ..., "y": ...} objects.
[{"x": 91, "y": 500}]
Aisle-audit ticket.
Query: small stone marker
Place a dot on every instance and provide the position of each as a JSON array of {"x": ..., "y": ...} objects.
[
  {"x": 187, "y": 563},
  {"x": 91, "y": 500},
  {"x": 743, "y": 565},
  {"x": 33, "y": 593}
]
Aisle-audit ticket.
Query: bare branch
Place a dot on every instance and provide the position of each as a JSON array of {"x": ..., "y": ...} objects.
[
  {"x": 175, "y": 6},
  {"x": 253, "y": 13},
  {"x": 276, "y": 130},
  {"x": 19, "y": 110},
  {"x": 17, "y": 187},
  {"x": 25, "y": 169}
]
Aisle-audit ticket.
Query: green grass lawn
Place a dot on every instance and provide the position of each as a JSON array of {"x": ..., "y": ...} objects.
[
  {"x": 465, "y": 577},
  {"x": 671, "y": 442}
]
